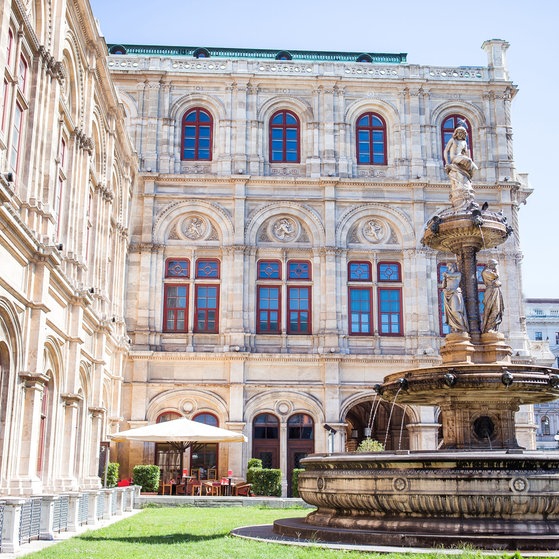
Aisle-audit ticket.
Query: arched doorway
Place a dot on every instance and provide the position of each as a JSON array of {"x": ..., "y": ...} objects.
[
  {"x": 265, "y": 440},
  {"x": 166, "y": 455},
  {"x": 377, "y": 420},
  {"x": 300, "y": 443},
  {"x": 203, "y": 457}
]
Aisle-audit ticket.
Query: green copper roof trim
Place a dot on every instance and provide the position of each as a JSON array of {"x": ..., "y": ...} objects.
[{"x": 266, "y": 54}]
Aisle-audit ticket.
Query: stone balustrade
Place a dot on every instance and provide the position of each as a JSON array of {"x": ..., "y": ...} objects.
[{"x": 23, "y": 519}]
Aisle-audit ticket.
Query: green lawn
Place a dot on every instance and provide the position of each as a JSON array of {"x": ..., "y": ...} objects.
[{"x": 200, "y": 533}]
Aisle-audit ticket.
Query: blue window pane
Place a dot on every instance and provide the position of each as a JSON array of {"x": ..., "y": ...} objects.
[
  {"x": 377, "y": 121},
  {"x": 204, "y": 132},
  {"x": 363, "y": 121},
  {"x": 190, "y": 117},
  {"x": 291, "y": 157},
  {"x": 291, "y": 133},
  {"x": 290, "y": 119},
  {"x": 189, "y": 143},
  {"x": 207, "y": 269},
  {"x": 277, "y": 134},
  {"x": 389, "y": 272},
  {"x": 268, "y": 270},
  {"x": 177, "y": 268},
  {"x": 378, "y": 136},
  {"x": 204, "y": 117},
  {"x": 278, "y": 119},
  {"x": 189, "y": 131},
  {"x": 189, "y": 154},
  {"x": 299, "y": 270},
  {"x": 359, "y": 271},
  {"x": 363, "y": 136}
]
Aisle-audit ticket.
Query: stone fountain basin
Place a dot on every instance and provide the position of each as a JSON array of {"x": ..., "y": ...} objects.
[
  {"x": 495, "y": 382},
  {"x": 491, "y": 499}
]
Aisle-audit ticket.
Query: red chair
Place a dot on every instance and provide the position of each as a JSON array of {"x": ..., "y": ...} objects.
[{"x": 242, "y": 489}]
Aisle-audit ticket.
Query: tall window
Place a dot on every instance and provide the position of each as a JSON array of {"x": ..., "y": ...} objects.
[
  {"x": 284, "y": 137},
  {"x": 16, "y": 137},
  {"x": 447, "y": 129},
  {"x": 203, "y": 457},
  {"x": 371, "y": 140},
  {"x": 545, "y": 423},
  {"x": 297, "y": 289},
  {"x": 389, "y": 318},
  {"x": 167, "y": 457},
  {"x": 60, "y": 186},
  {"x": 265, "y": 440},
  {"x": 197, "y": 131},
  {"x": 178, "y": 289}
]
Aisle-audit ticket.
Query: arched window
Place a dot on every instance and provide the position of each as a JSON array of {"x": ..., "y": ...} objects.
[
  {"x": 448, "y": 126},
  {"x": 203, "y": 457},
  {"x": 166, "y": 455},
  {"x": 546, "y": 430},
  {"x": 284, "y": 137},
  {"x": 371, "y": 140},
  {"x": 300, "y": 442},
  {"x": 197, "y": 132},
  {"x": 265, "y": 440}
]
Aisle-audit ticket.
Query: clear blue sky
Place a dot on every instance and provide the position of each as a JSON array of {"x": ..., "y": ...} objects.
[{"x": 431, "y": 32}]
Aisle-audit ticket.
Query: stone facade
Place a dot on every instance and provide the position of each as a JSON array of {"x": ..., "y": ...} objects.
[
  {"x": 542, "y": 324},
  {"x": 66, "y": 175},
  {"x": 239, "y": 208}
]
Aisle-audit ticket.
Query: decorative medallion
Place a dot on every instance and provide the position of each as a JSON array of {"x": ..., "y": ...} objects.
[
  {"x": 195, "y": 227},
  {"x": 373, "y": 231},
  {"x": 400, "y": 484},
  {"x": 283, "y": 407},
  {"x": 320, "y": 483},
  {"x": 188, "y": 406},
  {"x": 285, "y": 229},
  {"x": 519, "y": 484}
]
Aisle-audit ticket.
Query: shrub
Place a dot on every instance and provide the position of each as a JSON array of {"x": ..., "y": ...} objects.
[
  {"x": 147, "y": 476},
  {"x": 253, "y": 464},
  {"x": 112, "y": 474},
  {"x": 266, "y": 481},
  {"x": 370, "y": 445},
  {"x": 295, "y": 481}
]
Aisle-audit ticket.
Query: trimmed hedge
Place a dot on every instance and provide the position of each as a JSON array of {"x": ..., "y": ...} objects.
[
  {"x": 295, "y": 481},
  {"x": 265, "y": 481},
  {"x": 147, "y": 476},
  {"x": 112, "y": 474}
]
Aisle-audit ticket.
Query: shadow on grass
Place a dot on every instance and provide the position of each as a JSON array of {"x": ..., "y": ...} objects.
[{"x": 170, "y": 539}]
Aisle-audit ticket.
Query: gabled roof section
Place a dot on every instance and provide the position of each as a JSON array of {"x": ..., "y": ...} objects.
[{"x": 259, "y": 54}]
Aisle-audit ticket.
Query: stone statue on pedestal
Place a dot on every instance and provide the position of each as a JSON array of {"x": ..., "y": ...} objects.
[
  {"x": 493, "y": 299},
  {"x": 460, "y": 168},
  {"x": 454, "y": 308}
]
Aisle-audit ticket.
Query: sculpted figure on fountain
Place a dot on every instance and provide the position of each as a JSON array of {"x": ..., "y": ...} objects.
[
  {"x": 454, "y": 308},
  {"x": 460, "y": 168},
  {"x": 493, "y": 299}
]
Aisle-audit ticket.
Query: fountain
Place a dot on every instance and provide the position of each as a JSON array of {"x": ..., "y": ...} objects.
[{"x": 480, "y": 488}]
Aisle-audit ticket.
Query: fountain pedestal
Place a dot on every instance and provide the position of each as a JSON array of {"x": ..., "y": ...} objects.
[{"x": 481, "y": 488}]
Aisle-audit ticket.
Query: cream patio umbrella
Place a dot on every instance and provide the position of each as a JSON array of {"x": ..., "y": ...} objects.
[{"x": 181, "y": 434}]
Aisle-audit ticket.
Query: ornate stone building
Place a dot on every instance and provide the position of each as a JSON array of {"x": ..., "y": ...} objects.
[
  {"x": 275, "y": 271},
  {"x": 66, "y": 174},
  {"x": 542, "y": 324}
]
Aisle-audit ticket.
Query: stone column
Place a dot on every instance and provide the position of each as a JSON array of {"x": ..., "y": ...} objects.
[
  {"x": 73, "y": 511},
  {"x": 10, "y": 525},
  {"x": 47, "y": 516}
]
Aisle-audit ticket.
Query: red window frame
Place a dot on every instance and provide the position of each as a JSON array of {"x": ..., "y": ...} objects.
[
  {"x": 212, "y": 272},
  {"x": 352, "y": 277},
  {"x": 174, "y": 310},
  {"x": 16, "y": 138},
  {"x": 392, "y": 325},
  {"x": 5, "y": 96},
  {"x": 382, "y": 279},
  {"x": 448, "y": 126},
  {"x": 264, "y": 313},
  {"x": 268, "y": 270},
  {"x": 198, "y": 138},
  {"x": 297, "y": 316},
  {"x": 366, "y": 135},
  {"x": 292, "y": 276},
  {"x": 22, "y": 74},
  {"x": 177, "y": 268},
  {"x": 361, "y": 313},
  {"x": 9, "y": 48},
  {"x": 204, "y": 323},
  {"x": 279, "y": 139}
]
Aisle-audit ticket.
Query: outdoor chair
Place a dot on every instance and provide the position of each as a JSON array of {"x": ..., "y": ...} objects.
[
  {"x": 242, "y": 489},
  {"x": 194, "y": 487}
]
